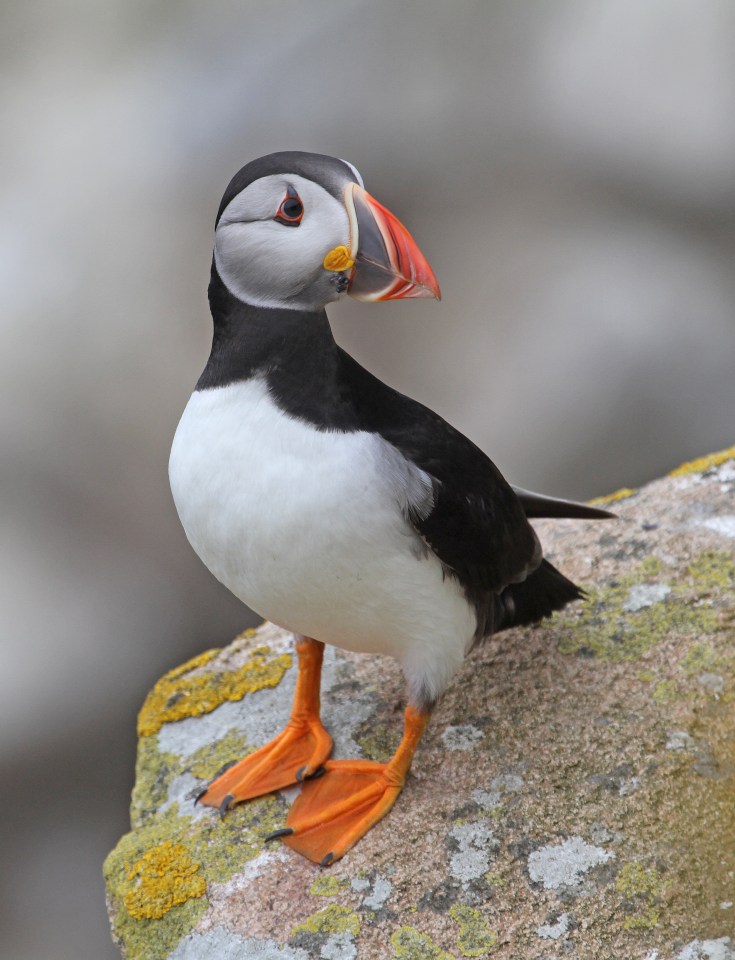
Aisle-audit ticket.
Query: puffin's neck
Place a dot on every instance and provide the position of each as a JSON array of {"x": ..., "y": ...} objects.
[{"x": 293, "y": 350}]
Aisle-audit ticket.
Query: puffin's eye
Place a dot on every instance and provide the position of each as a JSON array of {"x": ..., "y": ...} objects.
[{"x": 291, "y": 210}]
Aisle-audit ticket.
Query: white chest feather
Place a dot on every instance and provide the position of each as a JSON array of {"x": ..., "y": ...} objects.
[{"x": 309, "y": 529}]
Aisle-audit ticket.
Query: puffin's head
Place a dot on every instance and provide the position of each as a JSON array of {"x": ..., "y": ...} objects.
[{"x": 298, "y": 230}]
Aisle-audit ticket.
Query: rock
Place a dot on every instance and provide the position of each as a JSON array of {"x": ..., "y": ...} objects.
[{"x": 573, "y": 796}]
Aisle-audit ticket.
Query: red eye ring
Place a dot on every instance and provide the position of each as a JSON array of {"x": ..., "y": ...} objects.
[{"x": 291, "y": 209}]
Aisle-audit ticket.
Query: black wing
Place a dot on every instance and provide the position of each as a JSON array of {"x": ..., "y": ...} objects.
[{"x": 478, "y": 527}]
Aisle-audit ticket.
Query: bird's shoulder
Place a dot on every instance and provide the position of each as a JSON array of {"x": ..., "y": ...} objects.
[{"x": 477, "y": 526}]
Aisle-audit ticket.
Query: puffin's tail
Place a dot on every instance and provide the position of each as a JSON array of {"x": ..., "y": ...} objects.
[
  {"x": 538, "y": 596},
  {"x": 538, "y": 505}
]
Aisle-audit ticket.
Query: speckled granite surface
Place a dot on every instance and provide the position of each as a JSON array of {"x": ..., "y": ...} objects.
[{"x": 574, "y": 795}]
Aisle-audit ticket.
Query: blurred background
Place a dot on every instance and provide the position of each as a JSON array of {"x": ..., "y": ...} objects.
[{"x": 569, "y": 170}]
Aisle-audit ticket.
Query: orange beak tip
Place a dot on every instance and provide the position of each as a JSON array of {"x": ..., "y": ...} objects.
[{"x": 388, "y": 262}]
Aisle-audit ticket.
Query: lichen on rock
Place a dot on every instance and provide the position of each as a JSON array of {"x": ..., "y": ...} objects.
[
  {"x": 332, "y": 919},
  {"x": 164, "y": 877},
  {"x": 190, "y": 690},
  {"x": 642, "y": 889},
  {"x": 620, "y": 621},
  {"x": 327, "y": 885},
  {"x": 702, "y": 464},
  {"x": 476, "y": 938},
  {"x": 410, "y": 944}
]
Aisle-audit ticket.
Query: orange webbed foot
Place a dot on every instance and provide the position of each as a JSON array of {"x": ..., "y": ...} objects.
[
  {"x": 334, "y": 812},
  {"x": 297, "y": 753}
]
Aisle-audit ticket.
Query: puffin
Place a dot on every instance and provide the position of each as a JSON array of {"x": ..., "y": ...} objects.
[{"x": 331, "y": 504}]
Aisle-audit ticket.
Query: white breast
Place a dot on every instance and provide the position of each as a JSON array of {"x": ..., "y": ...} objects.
[{"x": 309, "y": 529}]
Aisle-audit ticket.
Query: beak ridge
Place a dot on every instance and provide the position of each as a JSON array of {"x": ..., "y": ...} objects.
[{"x": 388, "y": 262}]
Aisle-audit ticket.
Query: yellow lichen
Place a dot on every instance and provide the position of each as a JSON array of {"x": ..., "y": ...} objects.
[
  {"x": 327, "y": 885},
  {"x": 475, "y": 937},
  {"x": 154, "y": 770},
  {"x": 163, "y": 877},
  {"x": 606, "y": 628},
  {"x": 667, "y": 691},
  {"x": 410, "y": 944},
  {"x": 622, "y": 494},
  {"x": 331, "y": 919},
  {"x": 641, "y": 888},
  {"x": 221, "y": 847},
  {"x": 209, "y": 760},
  {"x": 701, "y": 658},
  {"x": 183, "y": 692},
  {"x": 704, "y": 463},
  {"x": 713, "y": 570},
  {"x": 380, "y": 743}
]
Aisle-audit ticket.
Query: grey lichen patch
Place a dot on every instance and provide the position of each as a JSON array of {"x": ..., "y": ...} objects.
[
  {"x": 722, "y": 949},
  {"x": 360, "y": 883},
  {"x": 476, "y": 845},
  {"x": 644, "y": 595},
  {"x": 221, "y": 944},
  {"x": 680, "y": 740},
  {"x": 463, "y": 737},
  {"x": 724, "y": 525},
  {"x": 339, "y": 946},
  {"x": 556, "y": 929},
  {"x": 380, "y": 891},
  {"x": 475, "y": 938},
  {"x": 500, "y": 787},
  {"x": 713, "y": 683},
  {"x": 599, "y": 833},
  {"x": 623, "y": 620},
  {"x": 562, "y": 866}
]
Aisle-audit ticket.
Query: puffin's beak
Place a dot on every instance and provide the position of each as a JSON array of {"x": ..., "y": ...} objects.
[{"x": 388, "y": 263}]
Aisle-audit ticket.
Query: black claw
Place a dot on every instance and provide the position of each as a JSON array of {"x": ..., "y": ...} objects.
[
  {"x": 301, "y": 776},
  {"x": 223, "y": 769},
  {"x": 225, "y": 805},
  {"x": 325, "y": 861},
  {"x": 283, "y": 832}
]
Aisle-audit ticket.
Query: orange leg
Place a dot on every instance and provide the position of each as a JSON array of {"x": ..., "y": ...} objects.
[
  {"x": 333, "y": 812},
  {"x": 298, "y": 752}
]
